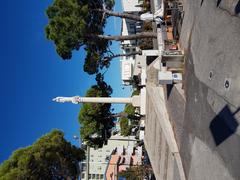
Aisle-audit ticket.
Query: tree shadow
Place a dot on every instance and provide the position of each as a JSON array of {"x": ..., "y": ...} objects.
[
  {"x": 218, "y": 2},
  {"x": 237, "y": 8},
  {"x": 223, "y": 125}
]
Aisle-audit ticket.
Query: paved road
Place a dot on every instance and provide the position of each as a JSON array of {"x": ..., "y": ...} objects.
[
  {"x": 213, "y": 36},
  {"x": 206, "y": 124},
  {"x": 202, "y": 158},
  {"x": 208, "y": 133}
]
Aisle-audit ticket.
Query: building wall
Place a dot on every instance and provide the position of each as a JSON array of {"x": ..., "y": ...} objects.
[
  {"x": 128, "y": 28},
  {"x": 99, "y": 158},
  {"x": 128, "y": 46},
  {"x": 120, "y": 162},
  {"x": 130, "y": 6}
]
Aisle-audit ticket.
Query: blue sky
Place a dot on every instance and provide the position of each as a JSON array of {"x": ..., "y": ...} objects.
[{"x": 32, "y": 74}]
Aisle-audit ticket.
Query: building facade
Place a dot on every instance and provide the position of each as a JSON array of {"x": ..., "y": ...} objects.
[
  {"x": 121, "y": 159},
  {"x": 98, "y": 159},
  {"x": 129, "y": 46}
]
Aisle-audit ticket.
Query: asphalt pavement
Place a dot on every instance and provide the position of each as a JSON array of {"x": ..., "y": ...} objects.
[
  {"x": 206, "y": 120},
  {"x": 209, "y": 137}
]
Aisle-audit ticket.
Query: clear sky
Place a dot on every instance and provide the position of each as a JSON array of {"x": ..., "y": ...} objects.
[{"x": 32, "y": 74}]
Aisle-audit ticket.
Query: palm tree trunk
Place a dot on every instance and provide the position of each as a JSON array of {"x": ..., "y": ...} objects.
[
  {"x": 121, "y": 15},
  {"x": 109, "y": 58},
  {"x": 129, "y": 37}
]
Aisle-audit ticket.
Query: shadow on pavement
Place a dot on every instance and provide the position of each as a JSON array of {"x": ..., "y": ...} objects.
[
  {"x": 223, "y": 125},
  {"x": 169, "y": 89},
  {"x": 237, "y": 8},
  {"x": 218, "y": 2}
]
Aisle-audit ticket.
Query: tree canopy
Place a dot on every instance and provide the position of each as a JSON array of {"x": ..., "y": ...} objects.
[
  {"x": 133, "y": 173},
  {"x": 95, "y": 118},
  {"x": 125, "y": 127},
  {"x": 50, "y": 157},
  {"x": 137, "y": 172},
  {"x": 127, "y": 120},
  {"x": 76, "y": 23},
  {"x": 71, "y": 22}
]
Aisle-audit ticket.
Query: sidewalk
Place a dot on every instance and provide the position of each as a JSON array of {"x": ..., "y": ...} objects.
[{"x": 160, "y": 139}]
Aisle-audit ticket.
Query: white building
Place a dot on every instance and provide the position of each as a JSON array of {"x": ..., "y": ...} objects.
[
  {"x": 99, "y": 158},
  {"x": 128, "y": 46},
  {"x": 131, "y": 6}
]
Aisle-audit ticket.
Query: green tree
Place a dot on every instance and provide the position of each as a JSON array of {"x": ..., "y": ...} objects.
[
  {"x": 125, "y": 127},
  {"x": 133, "y": 173},
  {"x": 50, "y": 157},
  {"x": 128, "y": 115},
  {"x": 76, "y": 23},
  {"x": 136, "y": 172},
  {"x": 135, "y": 92},
  {"x": 129, "y": 109},
  {"x": 96, "y": 118}
]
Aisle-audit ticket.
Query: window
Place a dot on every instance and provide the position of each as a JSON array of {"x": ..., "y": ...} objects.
[
  {"x": 107, "y": 158},
  {"x": 132, "y": 27},
  {"x": 127, "y": 50},
  {"x": 97, "y": 176},
  {"x": 101, "y": 176},
  {"x": 93, "y": 176},
  {"x": 90, "y": 176},
  {"x": 83, "y": 176},
  {"x": 84, "y": 167}
]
